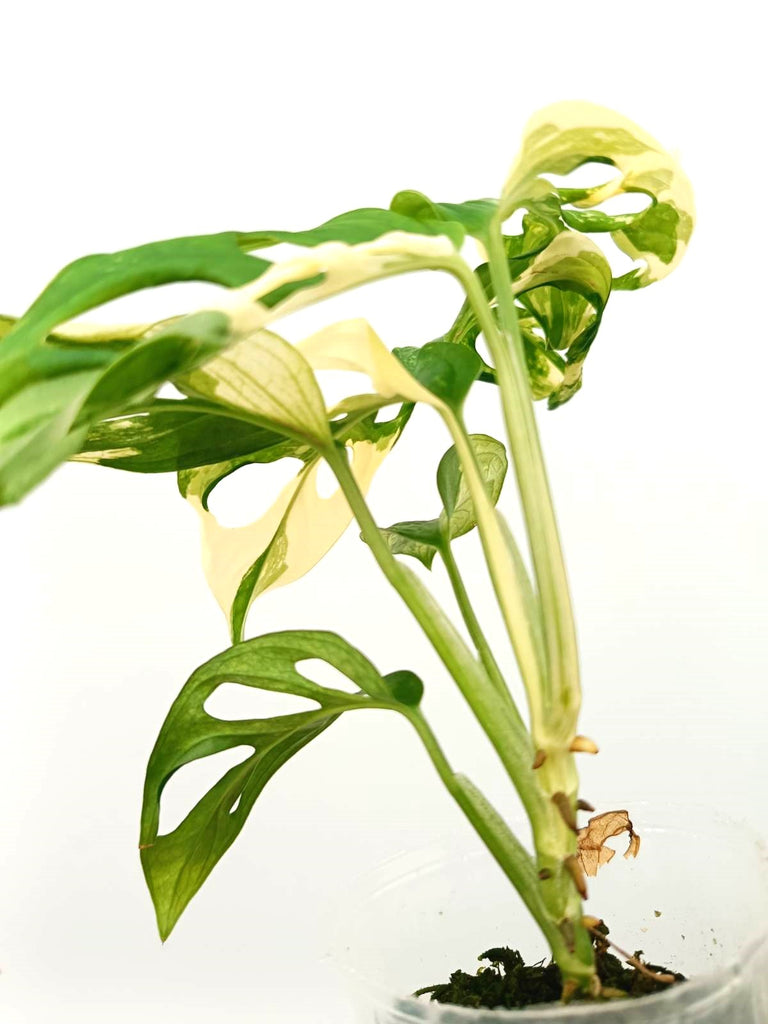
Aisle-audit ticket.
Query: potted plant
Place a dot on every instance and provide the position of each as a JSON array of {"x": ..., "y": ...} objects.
[{"x": 68, "y": 391}]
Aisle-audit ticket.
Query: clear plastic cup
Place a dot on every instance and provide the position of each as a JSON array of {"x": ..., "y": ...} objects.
[{"x": 695, "y": 900}]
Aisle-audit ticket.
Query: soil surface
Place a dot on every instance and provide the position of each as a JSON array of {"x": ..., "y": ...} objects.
[{"x": 509, "y": 983}]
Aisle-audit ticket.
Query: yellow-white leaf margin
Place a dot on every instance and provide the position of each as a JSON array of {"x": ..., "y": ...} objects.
[
  {"x": 562, "y": 136},
  {"x": 301, "y": 526}
]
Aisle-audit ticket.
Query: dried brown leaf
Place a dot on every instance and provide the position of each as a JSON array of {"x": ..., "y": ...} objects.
[{"x": 593, "y": 853}]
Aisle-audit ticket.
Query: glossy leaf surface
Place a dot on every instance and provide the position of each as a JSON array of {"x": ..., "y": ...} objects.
[{"x": 176, "y": 864}]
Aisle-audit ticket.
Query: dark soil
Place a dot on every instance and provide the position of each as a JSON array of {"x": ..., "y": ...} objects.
[{"x": 509, "y": 983}]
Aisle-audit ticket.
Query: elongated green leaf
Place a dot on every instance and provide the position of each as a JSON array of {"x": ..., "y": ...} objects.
[
  {"x": 54, "y": 387},
  {"x": 562, "y": 137},
  {"x": 168, "y": 435},
  {"x": 43, "y": 424},
  {"x": 176, "y": 864},
  {"x": 364, "y": 225},
  {"x": 474, "y": 215},
  {"x": 421, "y": 539}
]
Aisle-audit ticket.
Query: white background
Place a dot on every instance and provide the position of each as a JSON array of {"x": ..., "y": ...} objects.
[{"x": 125, "y": 124}]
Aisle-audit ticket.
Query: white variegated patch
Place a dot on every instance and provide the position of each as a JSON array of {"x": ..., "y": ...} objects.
[{"x": 565, "y": 135}]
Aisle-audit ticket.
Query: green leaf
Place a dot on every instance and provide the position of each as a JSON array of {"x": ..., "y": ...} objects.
[
  {"x": 54, "y": 387},
  {"x": 474, "y": 215},
  {"x": 447, "y": 371},
  {"x": 419, "y": 538},
  {"x": 46, "y": 422},
  {"x": 405, "y": 686},
  {"x": 168, "y": 435},
  {"x": 562, "y": 137},
  {"x": 422, "y": 539},
  {"x": 176, "y": 864},
  {"x": 93, "y": 280},
  {"x": 363, "y": 225},
  {"x": 458, "y": 516}
]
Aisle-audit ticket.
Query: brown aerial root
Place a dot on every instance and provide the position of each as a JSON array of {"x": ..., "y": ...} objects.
[
  {"x": 584, "y": 745},
  {"x": 583, "y": 805},
  {"x": 575, "y": 870},
  {"x": 565, "y": 807},
  {"x": 633, "y": 961},
  {"x": 539, "y": 759}
]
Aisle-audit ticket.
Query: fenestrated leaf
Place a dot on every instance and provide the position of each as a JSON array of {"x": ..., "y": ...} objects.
[
  {"x": 300, "y": 527},
  {"x": 31, "y": 355},
  {"x": 176, "y": 864},
  {"x": 46, "y": 422},
  {"x": 422, "y": 539},
  {"x": 168, "y": 435},
  {"x": 295, "y": 533},
  {"x": 563, "y": 136}
]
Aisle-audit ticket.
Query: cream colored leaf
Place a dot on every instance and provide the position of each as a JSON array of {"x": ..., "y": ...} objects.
[
  {"x": 565, "y": 135},
  {"x": 329, "y": 269},
  {"x": 300, "y": 527},
  {"x": 354, "y": 345}
]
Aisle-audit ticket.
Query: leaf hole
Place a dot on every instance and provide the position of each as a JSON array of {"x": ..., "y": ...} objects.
[
  {"x": 619, "y": 262},
  {"x": 235, "y": 702},
  {"x": 149, "y": 305},
  {"x": 338, "y": 384},
  {"x": 387, "y": 413},
  {"x": 169, "y": 390},
  {"x": 588, "y": 175},
  {"x": 326, "y": 483},
  {"x": 481, "y": 347},
  {"x": 190, "y": 783},
  {"x": 513, "y": 225},
  {"x": 250, "y": 492},
  {"x": 626, "y": 202},
  {"x": 318, "y": 671}
]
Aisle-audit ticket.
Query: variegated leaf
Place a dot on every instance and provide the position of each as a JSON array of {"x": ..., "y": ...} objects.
[{"x": 563, "y": 136}]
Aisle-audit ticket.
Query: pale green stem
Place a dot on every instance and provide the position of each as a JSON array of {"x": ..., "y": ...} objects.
[
  {"x": 560, "y": 684},
  {"x": 506, "y": 570},
  {"x": 470, "y": 619},
  {"x": 514, "y": 860},
  {"x": 496, "y": 712}
]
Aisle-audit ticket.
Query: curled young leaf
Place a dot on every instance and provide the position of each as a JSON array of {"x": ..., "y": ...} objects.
[
  {"x": 177, "y": 863},
  {"x": 563, "y": 136},
  {"x": 421, "y": 539},
  {"x": 565, "y": 289},
  {"x": 592, "y": 839}
]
